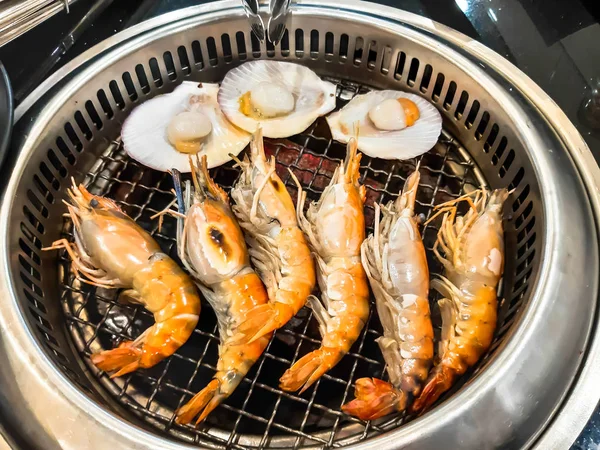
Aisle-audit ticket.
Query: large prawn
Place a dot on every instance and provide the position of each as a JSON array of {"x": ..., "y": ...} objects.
[
  {"x": 112, "y": 251},
  {"x": 212, "y": 248},
  {"x": 278, "y": 248},
  {"x": 335, "y": 227},
  {"x": 474, "y": 261},
  {"x": 396, "y": 265}
]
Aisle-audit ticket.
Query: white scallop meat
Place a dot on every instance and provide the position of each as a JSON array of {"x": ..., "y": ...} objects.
[
  {"x": 284, "y": 98},
  {"x": 386, "y": 144},
  {"x": 147, "y": 130}
]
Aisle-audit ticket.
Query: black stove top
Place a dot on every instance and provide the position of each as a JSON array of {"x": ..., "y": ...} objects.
[{"x": 556, "y": 42}]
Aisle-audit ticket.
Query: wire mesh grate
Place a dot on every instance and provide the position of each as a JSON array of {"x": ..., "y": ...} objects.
[{"x": 258, "y": 414}]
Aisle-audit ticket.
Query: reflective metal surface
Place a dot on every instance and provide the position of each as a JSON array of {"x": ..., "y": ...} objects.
[
  {"x": 501, "y": 394},
  {"x": 6, "y": 113},
  {"x": 279, "y": 14},
  {"x": 251, "y": 8}
]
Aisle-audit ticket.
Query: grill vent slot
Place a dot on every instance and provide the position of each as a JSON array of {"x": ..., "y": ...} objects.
[
  {"x": 314, "y": 44},
  {"x": 255, "y": 46},
  {"x": 104, "y": 102},
  {"x": 358, "y": 51},
  {"x": 400, "y": 62},
  {"x": 299, "y": 43},
  {"x": 472, "y": 115},
  {"x": 329, "y": 46},
  {"x": 507, "y": 163},
  {"x": 84, "y": 127},
  {"x": 56, "y": 163},
  {"x": 116, "y": 93},
  {"x": 427, "y": 72},
  {"x": 270, "y": 49},
  {"x": 386, "y": 60},
  {"x": 462, "y": 104},
  {"x": 129, "y": 86},
  {"x": 211, "y": 46},
  {"x": 437, "y": 89},
  {"x": 226, "y": 44},
  {"x": 372, "y": 55},
  {"x": 412, "y": 72},
  {"x": 197, "y": 52},
  {"x": 93, "y": 114},
  {"x": 41, "y": 186},
  {"x": 285, "y": 44},
  {"x": 450, "y": 93},
  {"x": 240, "y": 41},
  {"x": 483, "y": 123},
  {"x": 344, "y": 40},
  {"x": 73, "y": 138},
  {"x": 142, "y": 79}
]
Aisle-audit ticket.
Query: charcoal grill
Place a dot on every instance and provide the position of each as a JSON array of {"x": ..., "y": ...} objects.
[{"x": 499, "y": 131}]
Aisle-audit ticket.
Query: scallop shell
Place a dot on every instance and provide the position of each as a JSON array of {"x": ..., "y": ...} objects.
[
  {"x": 403, "y": 144},
  {"x": 314, "y": 97},
  {"x": 144, "y": 132}
]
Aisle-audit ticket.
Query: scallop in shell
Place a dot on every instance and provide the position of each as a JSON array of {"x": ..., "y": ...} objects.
[
  {"x": 162, "y": 132},
  {"x": 390, "y": 124},
  {"x": 283, "y": 98}
]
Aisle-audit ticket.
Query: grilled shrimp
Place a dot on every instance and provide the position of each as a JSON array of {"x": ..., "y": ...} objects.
[
  {"x": 278, "y": 249},
  {"x": 395, "y": 262},
  {"x": 474, "y": 261},
  {"x": 112, "y": 251},
  {"x": 212, "y": 248},
  {"x": 335, "y": 227}
]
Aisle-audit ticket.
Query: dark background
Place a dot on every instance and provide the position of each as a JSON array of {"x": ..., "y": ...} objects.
[{"x": 556, "y": 42}]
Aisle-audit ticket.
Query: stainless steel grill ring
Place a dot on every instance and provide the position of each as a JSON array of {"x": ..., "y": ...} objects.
[{"x": 499, "y": 130}]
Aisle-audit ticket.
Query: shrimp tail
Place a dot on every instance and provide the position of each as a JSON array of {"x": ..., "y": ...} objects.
[
  {"x": 375, "y": 398},
  {"x": 262, "y": 320},
  {"x": 441, "y": 379},
  {"x": 309, "y": 369},
  {"x": 203, "y": 403},
  {"x": 124, "y": 359}
]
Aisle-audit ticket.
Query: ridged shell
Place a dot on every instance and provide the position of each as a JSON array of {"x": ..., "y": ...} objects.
[
  {"x": 403, "y": 144},
  {"x": 144, "y": 132},
  {"x": 314, "y": 97}
]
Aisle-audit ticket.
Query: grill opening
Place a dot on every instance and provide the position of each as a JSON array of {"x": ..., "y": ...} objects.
[
  {"x": 258, "y": 414},
  {"x": 258, "y": 406}
]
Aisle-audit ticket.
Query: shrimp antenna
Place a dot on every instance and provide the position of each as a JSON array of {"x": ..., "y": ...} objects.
[
  {"x": 238, "y": 161},
  {"x": 257, "y": 146},
  {"x": 352, "y": 161},
  {"x": 353, "y": 146},
  {"x": 356, "y": 130},
  {"x": 202, "y": 177},
  {"x": 350, "y": 154},
  {"x": 208, "y": 185},
  {"x": 180, "y": 204},
  {"x": 194, "y": 174},
  {"x": 178, "y": 191}
]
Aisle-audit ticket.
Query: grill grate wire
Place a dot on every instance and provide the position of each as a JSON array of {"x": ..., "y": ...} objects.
[{"x": 258, "y": 414}]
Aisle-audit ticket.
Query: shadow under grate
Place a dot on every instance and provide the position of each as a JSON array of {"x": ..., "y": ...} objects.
[{"x": 258, "y": 414}]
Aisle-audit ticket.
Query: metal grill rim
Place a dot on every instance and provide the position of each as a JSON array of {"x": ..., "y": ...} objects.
[{"x": 133, "y": 91}]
